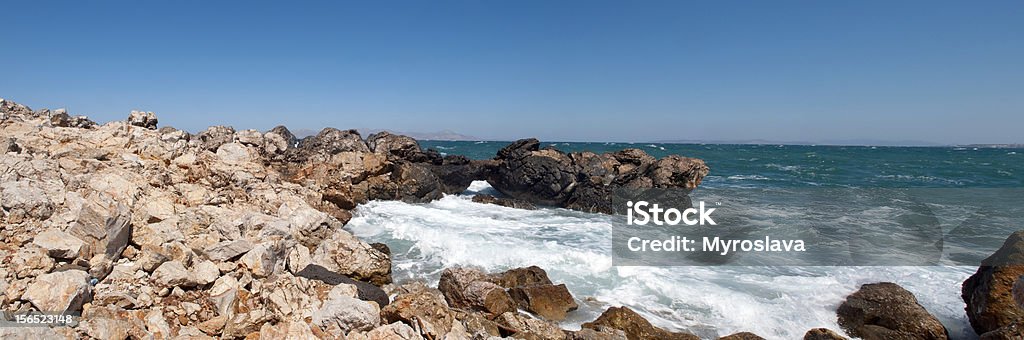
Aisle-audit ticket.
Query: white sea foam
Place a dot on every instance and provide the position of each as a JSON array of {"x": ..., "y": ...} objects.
[{"x": 774, "y": 302}]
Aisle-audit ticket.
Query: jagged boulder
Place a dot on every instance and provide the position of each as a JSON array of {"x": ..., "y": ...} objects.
[
  {"x": 585, "y": 181},
  {"x": 394, "y": 146},
  {"x": 345, "y": 254},
  {"x": 887, "y": 311},
  {"x": 551, "y": 302},
  {"x": 142, "y": 119},
  {"x": 63, "y": 291},
  {"x": 989, "y": 293},
  {"x": 213, "y": 137},
  {"x": 634, "y": 325},
  {"x": 421, "y": 306},
  {"x": 329, "y": 141},
  {"x": 471, "y": 289}
]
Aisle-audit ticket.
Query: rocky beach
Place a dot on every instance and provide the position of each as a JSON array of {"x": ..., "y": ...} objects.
[{"x": 151, "y": 232}]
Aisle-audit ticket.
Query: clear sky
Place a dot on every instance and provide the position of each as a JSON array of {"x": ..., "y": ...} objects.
[{"x": 939, "y": 71}]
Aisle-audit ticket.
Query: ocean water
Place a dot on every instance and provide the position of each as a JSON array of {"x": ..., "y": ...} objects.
[{"x": 777, "y": 302}]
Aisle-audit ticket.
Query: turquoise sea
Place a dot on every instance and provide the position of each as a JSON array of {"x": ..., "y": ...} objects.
[{"x": 777, "y": 302}]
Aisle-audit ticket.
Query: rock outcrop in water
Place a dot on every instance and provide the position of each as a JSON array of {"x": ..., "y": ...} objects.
[
  {"x": 990, "y": 293},
  {"x": 584, "y": 180}
]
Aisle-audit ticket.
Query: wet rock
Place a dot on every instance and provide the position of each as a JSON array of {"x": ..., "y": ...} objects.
[
  {"x": 59, "y": 244},
  {"x": 551, "y": 302},
  {"x": 365, "y": 291},
  {"x": 421, "y": 306},
  {"x": 741, "y": 336},
  {"x": 525, "y": 327},
  {"x": 142, "y": 119},
  {"x": 469, "y": 288},
  {"x": 823, "y": 334},
  {"x": 584, "y": 181},
  {"x": 64, "y": 291},
  {"x": 989, "y": 292},
  {"x": 525, "y": 276},
  {"x": 505, "y": 202},
  {"x": 415, "y": 183},
  {"x": 887, "y": 311},
  {"x": 1009, "y": 332},
  {"x": 634, "y": 325}
]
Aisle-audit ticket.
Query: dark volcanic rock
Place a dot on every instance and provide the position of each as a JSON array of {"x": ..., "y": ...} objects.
[
  {"x": 887, "y": 311},
  {"x": 366, "y": 291},
  {"x": 456, "y": 173},
  {"x": 823, "y": 334},
  {"x": 505, "y": 202},
  {"x": 585, "y": 181},
  {"x": 1008, "y": 332},
  {"x": 635, "y": 326},
  {"x": 392, "y": 145},
  {"x": 989, "y": 292}
]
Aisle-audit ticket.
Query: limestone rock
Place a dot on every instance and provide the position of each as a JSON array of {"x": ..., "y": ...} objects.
[
  {"x": 59, "y": 244},
  {"x": 470, "y": 288},
  {"x": 171, "y": 274},
  {"x": 341, "y": 315},
  {"x": 227, "y": 250},
  {"x": 143, "y": 119},
  {"x": 22, "y": 199},
  {"x": 345, "y": 254},
  {"x": 205, "y": 273},
  {"x": 64, "y": 291},
  {"x": 422, "y": 306},
  {"x": 742, "y": 336}
]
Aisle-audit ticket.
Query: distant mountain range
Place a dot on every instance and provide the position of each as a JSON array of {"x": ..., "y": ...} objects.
[
  {"x": 848, "y": 142},
  {"x": 439, "y": 135}
]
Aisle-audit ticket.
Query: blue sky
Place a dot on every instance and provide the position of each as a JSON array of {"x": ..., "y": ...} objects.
[{"x": 947, "y": 72}]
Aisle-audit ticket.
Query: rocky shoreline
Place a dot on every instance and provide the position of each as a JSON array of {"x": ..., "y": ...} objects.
[{"x": 151, "y": 232}]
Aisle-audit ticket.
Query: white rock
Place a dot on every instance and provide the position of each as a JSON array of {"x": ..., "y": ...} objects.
[
  {"x": 170, "y": 274},
  {"x": 60, "y": 291},
  {"x": 234, "y": 154},
  {"x": 249, "y": 137},
  {"x": 224, "y": 293},
  {"x": 264, "y": 259},
  {"x": 227, "y": 250},
  {"x": 347, "y": 314},
  {"x": 59, "y": 244},
  {"x": 394, "y": 331},
  {"x": 22, "y": 199},
  {"x": 205, "y": 272}
]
